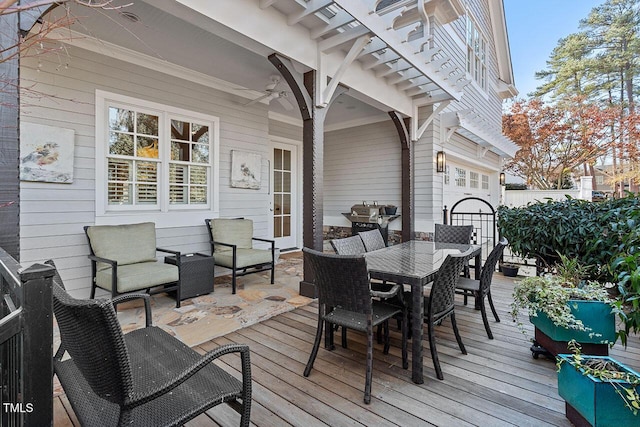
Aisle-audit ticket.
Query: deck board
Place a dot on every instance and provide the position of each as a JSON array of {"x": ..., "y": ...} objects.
[{"x": 497, "y": 383}]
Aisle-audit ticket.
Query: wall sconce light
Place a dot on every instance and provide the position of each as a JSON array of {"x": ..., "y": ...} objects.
[
  {"x": 503, "y": 179},
  {"x": 441, "y": 161}
]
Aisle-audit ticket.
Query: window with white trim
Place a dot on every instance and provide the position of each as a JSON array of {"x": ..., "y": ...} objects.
[
  {"x": 156, "y": 157},
  {"x": 461, "y": 177},
  {"x": 485, "y": 182},
  {"x": 599, "y": 179},
  {"x": 476, "y": 53},
  {"x": 473, "y": 179},
  {"x": 447, "y": 174}
]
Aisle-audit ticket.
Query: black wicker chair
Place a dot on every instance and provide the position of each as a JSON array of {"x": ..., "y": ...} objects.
[
  {"x": 348, "y": 246},
  {"x": 455, "y": 234},
  {"x": 372, "y": 240},
  {"x": 146, "y": 377},
  {"x": 480, "y": 289},
  {"x": 345, "y": 300},
  {"x": 440, "y": 302}
]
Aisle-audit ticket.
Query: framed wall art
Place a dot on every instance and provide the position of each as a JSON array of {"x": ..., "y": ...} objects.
[
  {"x": 245, "y": 169},
  {"x": 46, "y": 153}
]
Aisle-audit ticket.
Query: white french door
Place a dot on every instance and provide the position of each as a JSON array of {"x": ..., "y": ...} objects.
[{"x": 284, "y": 199}]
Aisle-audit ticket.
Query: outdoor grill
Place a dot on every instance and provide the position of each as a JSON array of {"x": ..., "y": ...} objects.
[{"x": 365, "y": 217}]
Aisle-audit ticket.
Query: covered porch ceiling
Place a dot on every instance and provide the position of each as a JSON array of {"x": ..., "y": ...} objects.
[{"x": 387, "y": 59}]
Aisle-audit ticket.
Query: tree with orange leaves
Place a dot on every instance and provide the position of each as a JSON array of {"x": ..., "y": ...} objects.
[{"x": 555, "y": 139}]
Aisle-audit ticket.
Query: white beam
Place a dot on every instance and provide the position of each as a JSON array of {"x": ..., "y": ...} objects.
[
  {"x": 311, "y": 7},
  {"x": 266, "y": 3},
  {"x": 405, "y": 75},
  {"x": 387, "y": 56},
  {"x": 375, "y": 45},
  {"x": 362, "y": 12},
  {"x": 341, "y": 18},
  {"x": 325, "y": 93},
  {"x": 417, "y": 131},
  {"x": 327, "y": 45},
  {"x": 396, "y": 67}
]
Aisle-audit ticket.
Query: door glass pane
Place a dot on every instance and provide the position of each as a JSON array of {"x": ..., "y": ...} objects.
[
  {"x": 287, "y": 160},
  {"x": 286, "y": 182},
  {"x": 286, "y": 204},
  {"x": 277, "y": 204},
  {"x": 277, "y": 159},
  {"x": 277, "y": 226},
  {"x": 277, "y": 181},
  {"x": 286, "y": 226}
]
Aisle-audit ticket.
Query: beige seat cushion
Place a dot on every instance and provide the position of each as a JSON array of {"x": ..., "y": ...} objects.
[
  {"x": 246, "y": 257},
  {"x": 237, "y": 232},
  {"x": 133, "y": 277},
  {"x": 127, "y": 244}
]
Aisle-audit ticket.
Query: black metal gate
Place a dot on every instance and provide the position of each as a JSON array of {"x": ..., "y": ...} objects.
[{"x": 479, "y": 213}]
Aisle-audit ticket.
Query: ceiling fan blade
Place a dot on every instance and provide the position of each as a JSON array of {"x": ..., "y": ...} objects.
[
  {"x": 285, "y": 102},
  {"x": 255, "y": 101}
]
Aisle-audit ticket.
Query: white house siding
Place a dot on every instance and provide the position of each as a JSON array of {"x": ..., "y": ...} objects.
[
  {"x": 427, "y": 183},
  {"x": 431, "y": 194},
  {"x": 362, "y": 163},
  {"x": 285, "y": 130},
  {"x": 53, "y": 215}
]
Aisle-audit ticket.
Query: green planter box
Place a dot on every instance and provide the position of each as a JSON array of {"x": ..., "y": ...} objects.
[
  {"x": 595, "y": 401},
  {"x": 594, "y": 314}
]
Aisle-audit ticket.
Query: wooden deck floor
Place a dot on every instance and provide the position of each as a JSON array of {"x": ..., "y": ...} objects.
[{"x": 497, "y": 383}]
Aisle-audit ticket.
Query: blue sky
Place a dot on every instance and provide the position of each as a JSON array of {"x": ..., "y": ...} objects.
[{"x": 534, "y": 28}]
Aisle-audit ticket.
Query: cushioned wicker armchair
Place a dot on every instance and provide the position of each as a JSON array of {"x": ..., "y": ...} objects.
[
  {"x": 143, "y": 378},
  {"x": 232, "y": 247},
  {"x": 345, "y": 299},
  {"x": 123, "y": 259}
]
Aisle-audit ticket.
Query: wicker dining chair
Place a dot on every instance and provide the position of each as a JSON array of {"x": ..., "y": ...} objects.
[
  {"x": 480, "y": 289},
  {"x": 440, "y": 302},
  {"x": 372, "y": 240},
  {"x": 344, "y": 299},
  {"x": 460, "y": 234},
  {"x": 348, "y": 246},
  {"x": 146, "y": 377},
  {"x": 445, "y": 233}
]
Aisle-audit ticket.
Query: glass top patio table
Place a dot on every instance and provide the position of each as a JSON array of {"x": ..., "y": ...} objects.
[{"x": 415, "y": 263}]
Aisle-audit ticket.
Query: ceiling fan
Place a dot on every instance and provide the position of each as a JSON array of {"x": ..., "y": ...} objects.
[{"x": 271, "y": 92}]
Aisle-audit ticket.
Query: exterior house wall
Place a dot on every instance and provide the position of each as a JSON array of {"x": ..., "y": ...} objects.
[
  {"x": 431, "y": 192},
  {"x": 53, "y": 215},
  {"x": 362, "y": 163}
]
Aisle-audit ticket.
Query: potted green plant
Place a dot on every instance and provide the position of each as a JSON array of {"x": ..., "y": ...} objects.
[
  {"x": 563, "y": 307},
  {"x": 598, "y": 389}
]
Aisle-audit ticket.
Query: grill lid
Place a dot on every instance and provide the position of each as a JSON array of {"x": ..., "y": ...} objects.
[{"x": 364, "y": 213}]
